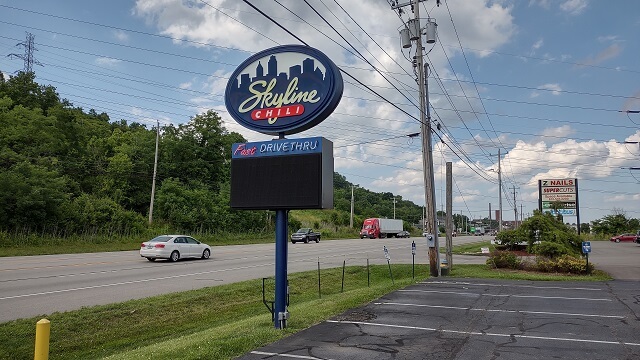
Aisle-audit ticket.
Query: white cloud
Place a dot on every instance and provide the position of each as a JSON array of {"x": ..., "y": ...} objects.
[
  {"x": 609, "y": 53},
  {"x": 608, "y": 38},
  {"x": 538, "y": 44},
  {"x": 574, "y": 7},
  {"x": 105, "y": 61},
  {"x": 542, "y": 3},
  {"x": 121, "y": 35},
  {"x": 185, "y": 85},
  {"x": 554, "y": 89},
  {"x": 558, "y": 132}
]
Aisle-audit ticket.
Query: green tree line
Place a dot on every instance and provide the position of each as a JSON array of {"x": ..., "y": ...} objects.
[{"x": 64, "y": 170}]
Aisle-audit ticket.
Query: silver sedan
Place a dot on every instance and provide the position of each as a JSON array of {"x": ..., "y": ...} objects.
[{"x": 174, "y": 247}]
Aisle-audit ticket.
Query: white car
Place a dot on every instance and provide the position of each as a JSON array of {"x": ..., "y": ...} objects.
[{"x": 174, "y": 247}]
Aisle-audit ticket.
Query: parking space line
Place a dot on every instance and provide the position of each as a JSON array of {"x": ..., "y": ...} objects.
[
  {"x": 510, "y": 285},
  {"x": 504, "y": 295},
  {"x": 500, "y": 310},
  {"x": 288, "y": 355},
  {"x": 519, "y": 336}
]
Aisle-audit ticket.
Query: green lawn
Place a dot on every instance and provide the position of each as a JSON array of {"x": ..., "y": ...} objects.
[{"x": 219, "y": 322}]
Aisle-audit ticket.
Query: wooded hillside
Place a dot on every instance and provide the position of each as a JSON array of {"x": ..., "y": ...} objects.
[{"x": 64, "y": 170}]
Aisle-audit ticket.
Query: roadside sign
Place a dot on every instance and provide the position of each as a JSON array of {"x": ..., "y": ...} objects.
[
  {"x": 569, "y": 212},
  {"x": 586, "y": 247},
  {"x": 386, "y": 254},
  {"x": 413, "y": 248}
]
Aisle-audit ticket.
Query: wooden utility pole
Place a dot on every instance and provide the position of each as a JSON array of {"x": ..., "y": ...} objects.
[
  {"x": 155, "y": 171},
  {"x": 449, "y": 215}
]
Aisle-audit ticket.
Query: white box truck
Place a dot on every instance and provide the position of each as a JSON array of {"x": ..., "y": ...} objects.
[{"x": 380, "y": 228}]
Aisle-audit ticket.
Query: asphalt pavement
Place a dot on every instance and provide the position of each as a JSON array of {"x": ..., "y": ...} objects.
[
  {"x": 448, "y": 318},
  {"x": 478, "y": 319}
]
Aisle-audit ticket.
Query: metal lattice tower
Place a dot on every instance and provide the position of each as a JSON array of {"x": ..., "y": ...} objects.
[{"x": 27, "y": 57}]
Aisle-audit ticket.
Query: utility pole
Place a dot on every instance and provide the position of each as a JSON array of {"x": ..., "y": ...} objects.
[
  {"x": 515, "y": 209},
  {"x": 408, "y": 33},
  {"x": 394, "y": 207},
  {"x": 155, "y": 171},
  {"x": 351, "y": 218},
  {"x": 449, "y": 227},
  {"x": 499, "y": 192},
  {"x": 27, "y": 57},
  {"x": 490, "y": 224}
]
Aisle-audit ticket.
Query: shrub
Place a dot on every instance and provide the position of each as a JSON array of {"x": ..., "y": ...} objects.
[
  {"x": 510, "y": 238},
  {"x": 562, "y": 264},
  {"x": 503, "y": 259},
  {"x": 550, "y": 249}
]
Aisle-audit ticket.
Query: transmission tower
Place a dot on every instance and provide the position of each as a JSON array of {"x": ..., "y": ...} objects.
[{"x": 27, "y": 57}]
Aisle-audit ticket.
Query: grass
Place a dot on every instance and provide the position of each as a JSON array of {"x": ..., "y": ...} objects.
[
  {"x": 219, "y": 322},
  {"x": 470, "y": 248}
]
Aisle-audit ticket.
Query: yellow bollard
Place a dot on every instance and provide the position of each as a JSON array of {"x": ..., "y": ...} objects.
[{"x": 43, "y": 330}]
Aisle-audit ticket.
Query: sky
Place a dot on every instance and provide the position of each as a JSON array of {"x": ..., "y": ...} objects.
[{"x": 551, "y": 85}]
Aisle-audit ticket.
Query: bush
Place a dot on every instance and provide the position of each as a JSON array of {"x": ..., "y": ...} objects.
[
  {"x": 503, "y": 259},
  {"x": 550, "y": 249},
  {"x": 510, "y": 238},
  {"x": 563, "y": 264}
]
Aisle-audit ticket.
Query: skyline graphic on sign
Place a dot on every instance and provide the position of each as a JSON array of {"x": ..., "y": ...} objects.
[{"x": 284, "y": 90}]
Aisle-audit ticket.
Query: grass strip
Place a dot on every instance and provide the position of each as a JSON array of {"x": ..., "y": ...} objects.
[{"x": 219, "y": 322}]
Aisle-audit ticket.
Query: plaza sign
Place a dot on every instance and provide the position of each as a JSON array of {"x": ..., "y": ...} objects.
[{"x": 559, "y": 196}]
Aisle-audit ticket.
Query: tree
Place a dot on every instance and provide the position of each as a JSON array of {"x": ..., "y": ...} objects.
[{"x": 616, "y": 223}]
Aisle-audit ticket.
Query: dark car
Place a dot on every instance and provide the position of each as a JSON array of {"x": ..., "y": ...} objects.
[
  {"x": 625, "y": 237},
  {"x": 305, "y": 235},
  {"x": 403, "y": 234}
]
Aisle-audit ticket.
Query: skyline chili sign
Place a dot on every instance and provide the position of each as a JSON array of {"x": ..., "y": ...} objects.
[{"x": 284, "y": 90}]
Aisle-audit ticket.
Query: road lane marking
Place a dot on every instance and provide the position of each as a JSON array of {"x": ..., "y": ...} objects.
[
  {"x": 501, "y": 285},
  {"x": 130, "y": 282},
  {"x": 505, "y": 295},
  {"x": 501, "y": 310},
  {"x": 519, "y": 336},
  {"x": 288, "y": 355}
]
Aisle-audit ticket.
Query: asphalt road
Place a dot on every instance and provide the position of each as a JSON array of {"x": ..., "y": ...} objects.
[{"x": 39, "y": 285}]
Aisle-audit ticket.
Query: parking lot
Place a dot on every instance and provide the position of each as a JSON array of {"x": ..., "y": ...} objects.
[{"x": 479, "y": 319}]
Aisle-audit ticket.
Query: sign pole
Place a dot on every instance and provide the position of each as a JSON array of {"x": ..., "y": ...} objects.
[{"x": 280, "y": 306}]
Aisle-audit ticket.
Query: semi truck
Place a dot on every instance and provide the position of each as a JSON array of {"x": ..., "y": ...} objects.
[{"x": 380, "y": 228}]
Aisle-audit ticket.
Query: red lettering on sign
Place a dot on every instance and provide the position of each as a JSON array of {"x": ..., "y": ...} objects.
[
  {"x": 242, "y": 149},
  {"x": 563, "y": 182},
  {"x": 268, "y": 113}
]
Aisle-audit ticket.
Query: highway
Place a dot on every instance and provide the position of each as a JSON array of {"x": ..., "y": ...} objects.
[{"x": 39, "y": 285}]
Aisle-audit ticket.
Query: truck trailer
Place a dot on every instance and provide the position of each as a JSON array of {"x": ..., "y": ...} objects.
[{"x": 380, "y": 228}]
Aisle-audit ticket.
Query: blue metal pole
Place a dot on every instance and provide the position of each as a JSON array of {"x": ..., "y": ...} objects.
[{"x": 280, "y": 306}]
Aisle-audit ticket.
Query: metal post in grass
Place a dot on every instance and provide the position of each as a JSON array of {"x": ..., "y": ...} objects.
[
  {"x": 344, "y": 263},
  {"x": 43, "y": 332},
  {"x": 586, "y": 249},
  {"x": 368, "y": 274},
  {"x": 319, "y": 291},
  {"x": 413, "y": 259},
  {"x": 386, "y": 255}
]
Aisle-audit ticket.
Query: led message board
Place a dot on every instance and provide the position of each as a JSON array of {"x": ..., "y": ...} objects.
[{"x": 282, "y": 174}]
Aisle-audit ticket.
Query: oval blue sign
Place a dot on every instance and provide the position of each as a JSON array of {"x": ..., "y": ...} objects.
[{"x": 284, "y": 90}]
